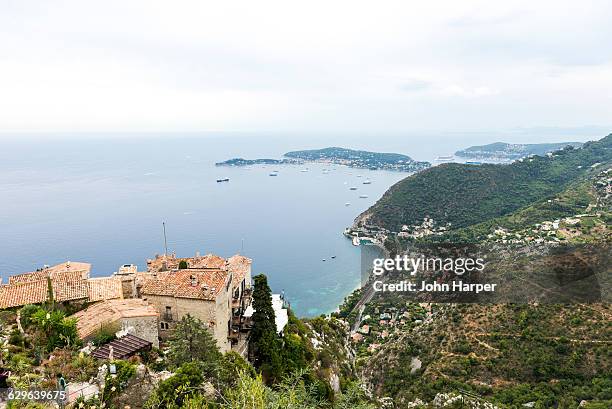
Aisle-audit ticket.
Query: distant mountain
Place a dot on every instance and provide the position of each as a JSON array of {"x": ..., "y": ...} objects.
[
  {"x": 464, "y": 195},
  {"x": 512, "y": 151},
  {"x": 360, "y": 159}
]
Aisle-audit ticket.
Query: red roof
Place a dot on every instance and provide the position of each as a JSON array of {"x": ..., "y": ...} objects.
[
  {"x": 65, "y": 271},
  {"x": 189, "y": 283},
  {"x": 239, "y": 266},
  {"x": 16, "y": 295}
]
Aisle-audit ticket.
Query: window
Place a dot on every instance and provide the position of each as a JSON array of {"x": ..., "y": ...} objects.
[
  {"x": 168, "y": 315},
  {"x": 164, "y": 325}
]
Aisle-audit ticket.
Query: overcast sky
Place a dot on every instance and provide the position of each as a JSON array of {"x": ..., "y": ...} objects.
[{"x": 312, "y": 66}]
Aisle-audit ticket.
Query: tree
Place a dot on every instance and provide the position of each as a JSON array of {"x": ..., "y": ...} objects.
[
  {"x": 264, "y": 342},
  {"x": 172, "y": 392},
  {"x": 183, "y": 265},
  {"x": 193, "y": 342},
  {"x": 232, "y": 365},
  {"x": 291, "y": 393}
]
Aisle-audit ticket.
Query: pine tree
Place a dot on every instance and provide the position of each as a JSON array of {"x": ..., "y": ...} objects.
[
  {"x": 264, "y": 344},
  {"x": 193, "y": 342}
]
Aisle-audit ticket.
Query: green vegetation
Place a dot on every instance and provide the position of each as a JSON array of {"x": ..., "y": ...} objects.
[
  {"x": 507, "y": 354},
  {"x": 512, "y": 151},
  {"x": 105, "y": 334},
  {"x": 264, "y": 342},
  {"x": 360, "y": 159},
  {"x": 543, "y": 355},
  {"x": 49, "y": 328},
  {"x": 464, "y": 195},
  {"x": 193, "y": 342},
  {"x": 204, "y": 377},
  {"x": 291, "y": 393}
]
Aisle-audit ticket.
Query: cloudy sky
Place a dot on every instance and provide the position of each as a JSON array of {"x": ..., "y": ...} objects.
[{"x": 376, "y": 66}]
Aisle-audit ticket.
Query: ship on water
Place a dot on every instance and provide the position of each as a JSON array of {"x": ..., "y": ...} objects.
[
  {"x": 446, "y": 158},
  {"x": 367, "y": 182},
  {"x": 222, "y": 180},
  {"x": 352, "y": 188}
]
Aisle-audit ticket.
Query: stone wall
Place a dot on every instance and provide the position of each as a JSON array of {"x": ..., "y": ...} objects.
[
  {"x": 143, "y": 327},
  {"x": 215, "y": 314}
]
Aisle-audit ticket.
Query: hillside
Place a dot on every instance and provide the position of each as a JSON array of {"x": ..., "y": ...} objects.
[
  {"x": 360, "y": 159},
  {"x": 463, "y": 195},
  {"x": 541, "y": 355},
  {"x": 512, "y": 151},
  {"x": 506, "y": 354}
]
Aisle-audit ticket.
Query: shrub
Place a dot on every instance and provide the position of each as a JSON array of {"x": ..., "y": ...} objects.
[{"x": 105, "y": 334}]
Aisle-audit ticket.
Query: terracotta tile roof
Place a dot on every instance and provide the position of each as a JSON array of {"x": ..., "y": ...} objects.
[
  {"x": 66, "y": 271},
  {"x": 69, "y": 290},
  {"x": 35, "y": 292},
  {"x": 104, "y": 288},
  {"x": 69, "y": 281},
  {"x": 171, "y": 262},
  {"x": 164, "y": 262},
  {"x": 71, "y": 266},
  {"x": 97, "y": 315},
  {"x": 239, "y": 266},
  {"x": 200, "y": 284},
  {"x": 19, "y": 294},
  {"x": 208, "y": 261}
]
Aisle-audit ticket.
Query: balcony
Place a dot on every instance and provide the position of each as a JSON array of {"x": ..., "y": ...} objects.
[{"x": 234, "y": 335}]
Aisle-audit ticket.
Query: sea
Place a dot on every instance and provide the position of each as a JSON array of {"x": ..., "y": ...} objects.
[{"x": 102, "y": 198}]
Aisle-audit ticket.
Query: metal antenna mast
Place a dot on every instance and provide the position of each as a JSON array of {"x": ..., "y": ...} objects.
[{"x": 165, "y": 240}]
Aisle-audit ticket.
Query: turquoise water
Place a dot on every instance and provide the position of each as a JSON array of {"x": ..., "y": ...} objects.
[
  {"x": 104, "y": 202},
  {"x": 102, "y": 198}
]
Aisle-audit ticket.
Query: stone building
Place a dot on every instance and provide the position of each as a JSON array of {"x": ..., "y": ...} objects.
[
  {"x": 202, "y": 293},
  {"x": 211, "y": 288},
  {"x": 132, "y": 316},
  {"x": 64, "y": 283}
]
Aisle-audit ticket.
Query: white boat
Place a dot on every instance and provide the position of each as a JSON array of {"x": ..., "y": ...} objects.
[
  {"x": 358, "y": 176},
  {"x": 352, "y": 188},
  {"x": 367, "y": 182},
  {"x": 447, "y": 158},
  {"x": 222, "y": 180},
  {"x": 304, "y": 170},
  {"x": 274, "y": 174},
  {"x": 363, "y": 196},
  {"x": 356, "y": 241},
  {"x": 347, "y": 204}
]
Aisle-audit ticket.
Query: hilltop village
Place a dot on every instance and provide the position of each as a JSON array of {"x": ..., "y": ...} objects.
[
  {"x": 148, "y": 304},
  {"x": 126, "y": 316}
]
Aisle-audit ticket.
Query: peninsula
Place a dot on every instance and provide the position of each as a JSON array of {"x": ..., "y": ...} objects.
[
  {"x": 503, "y": 151},
  {"x": 251, "y": 162},
  {"x": 339, "y": 156}
]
